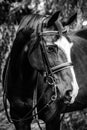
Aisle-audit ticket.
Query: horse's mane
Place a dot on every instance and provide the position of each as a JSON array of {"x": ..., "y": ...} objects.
[
  {"x": 26, "y": 34},
  {"x": 30, "y": 22}
]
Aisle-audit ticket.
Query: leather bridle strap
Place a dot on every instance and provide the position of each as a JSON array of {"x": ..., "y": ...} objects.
[
  {"x": 61, "y": 67},
  {"x": 45, "y": 58}
]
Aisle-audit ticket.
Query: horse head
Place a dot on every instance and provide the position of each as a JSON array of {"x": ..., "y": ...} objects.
[{"x": 50, "y": 55}]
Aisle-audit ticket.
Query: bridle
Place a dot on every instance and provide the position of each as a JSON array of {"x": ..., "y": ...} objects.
[
  {"x": 48, "y": 75},
  {"x": 50, "y": 71}
]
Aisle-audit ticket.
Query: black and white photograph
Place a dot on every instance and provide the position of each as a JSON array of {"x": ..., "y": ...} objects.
[{"x": 43, "y": 64}]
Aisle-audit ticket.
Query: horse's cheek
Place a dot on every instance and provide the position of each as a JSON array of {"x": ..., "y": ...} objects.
[{"x": 36, "y": 61}]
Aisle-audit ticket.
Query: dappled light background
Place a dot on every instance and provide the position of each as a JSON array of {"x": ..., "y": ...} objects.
[{"x": 11, "y": 12}]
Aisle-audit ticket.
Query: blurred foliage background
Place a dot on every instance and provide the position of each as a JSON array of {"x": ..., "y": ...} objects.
[{"x": 11, "y": 13}]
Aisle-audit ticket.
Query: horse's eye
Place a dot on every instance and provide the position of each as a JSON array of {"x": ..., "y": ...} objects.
[{"x": 52, "y": 48}]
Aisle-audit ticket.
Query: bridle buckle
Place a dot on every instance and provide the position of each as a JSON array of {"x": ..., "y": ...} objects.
[{"x": 50, "y": 80}]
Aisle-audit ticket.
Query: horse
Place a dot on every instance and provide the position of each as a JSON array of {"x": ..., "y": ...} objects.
[
  {"x": 79, "y": 60},
  {"x": 38, "y": 78}
]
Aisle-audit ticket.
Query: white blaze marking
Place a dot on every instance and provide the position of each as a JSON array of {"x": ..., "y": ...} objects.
[{"x": 64, "y": 44}]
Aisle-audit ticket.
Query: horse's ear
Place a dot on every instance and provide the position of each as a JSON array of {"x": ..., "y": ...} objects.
[
  {"x": 70, "y": 20},
  {"x": 53, "y": 19}
]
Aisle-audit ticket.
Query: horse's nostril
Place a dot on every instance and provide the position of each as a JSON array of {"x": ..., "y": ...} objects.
[
  {"x": 68, "y": 93},
  {"x": 68, "y": 97}
]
